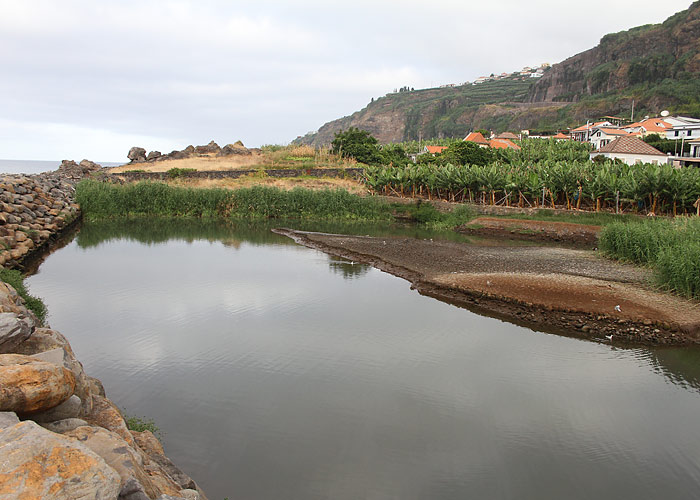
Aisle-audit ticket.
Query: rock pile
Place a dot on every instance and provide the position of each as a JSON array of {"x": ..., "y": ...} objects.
[
  {"x": 138, "y": 154},
  {"x": 60, "y": 437}
]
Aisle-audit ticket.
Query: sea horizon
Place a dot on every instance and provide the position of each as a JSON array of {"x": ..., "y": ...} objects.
[{"x": 39, "y": 166}]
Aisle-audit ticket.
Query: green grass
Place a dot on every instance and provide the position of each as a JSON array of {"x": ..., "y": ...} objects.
[
  {"x": 589, "y": 218},
  {"x": 670, "y": 247},
  {"x": 15, "y": 279},
  {"x": 140, "y": 424}
]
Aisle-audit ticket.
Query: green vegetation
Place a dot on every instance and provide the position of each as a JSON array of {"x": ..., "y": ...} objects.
[
  {"x": 363, "y": 147},
  {"x": 428, "y": 216},
  {"x": 174, "y": 173},
  {"x": 140, "y": 424},
  {"x": 666, "y": 145},
  {"x": 671, "y": 247},
  {"x": 581, "y": 185},
  {"x": 101, "y": 200},
  {"x": 15, "y": 279}
]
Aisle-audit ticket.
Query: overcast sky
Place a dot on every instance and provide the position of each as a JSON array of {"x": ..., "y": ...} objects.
[{"x": 90, "y": 78}]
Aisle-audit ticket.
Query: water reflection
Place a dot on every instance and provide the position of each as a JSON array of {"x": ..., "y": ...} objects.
[
  {"x": 348, "y": 269},
  {"x": 274, "y": 376}
]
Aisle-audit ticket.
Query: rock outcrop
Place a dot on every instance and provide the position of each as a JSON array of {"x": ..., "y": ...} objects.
[
  {"x": 138, "y": 154},
  {"x": 82, "y": 448}
]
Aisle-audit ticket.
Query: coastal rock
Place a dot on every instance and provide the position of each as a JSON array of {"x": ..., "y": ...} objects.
[
  {"x": 69, "y": 409},
  {"x": 13, "y": 331},
  {"x": 39, "y": 464},
  {"x": 10, "y": 301},
  {"x": 65, "y": 425},
  {"x": 122, "y": 457},
  {"x": 234, "y": 149},
  {"x": 49, "y": 345},
  {"x": 96, "y": 386},
  {"x": 106, "y": 415},
  {"x": 28, "y": 385},
  {"x": 136, "y": 154},
  {"x": 8, "y": 419},
  {"x": 212, "y": 147}
]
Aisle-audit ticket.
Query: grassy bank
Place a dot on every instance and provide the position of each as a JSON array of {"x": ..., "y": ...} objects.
[
  {"x": 15, "y": 279},
  {"x": 670, "y": 247},
  {"x": 153, "y": 199}
]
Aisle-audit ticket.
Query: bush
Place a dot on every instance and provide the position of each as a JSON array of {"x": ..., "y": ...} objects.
[{"x": 15, "y": 279}]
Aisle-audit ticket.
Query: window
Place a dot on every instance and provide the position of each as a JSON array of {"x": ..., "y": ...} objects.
[
  {"x": 690, "y": 132},
  {"x": 676, "y": 133}
]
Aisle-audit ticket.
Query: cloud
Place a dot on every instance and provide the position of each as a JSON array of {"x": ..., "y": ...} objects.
[{"x": 181, "y": 72}]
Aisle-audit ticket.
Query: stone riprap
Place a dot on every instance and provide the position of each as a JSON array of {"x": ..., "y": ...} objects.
[
  {"x": 60, "y": 437},
  {"x": 36, "y": 208}
]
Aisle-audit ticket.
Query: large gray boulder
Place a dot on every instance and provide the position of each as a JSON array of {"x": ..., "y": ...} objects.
[
  {"x": 37, "y": 463},
  {"x": 137, "y": 154},
  {"x": 212, "y": 147},
  {"x": 13, "y": 331}
]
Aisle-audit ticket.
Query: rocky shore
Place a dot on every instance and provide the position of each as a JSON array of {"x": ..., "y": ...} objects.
[{"x": 60, "y": 436}]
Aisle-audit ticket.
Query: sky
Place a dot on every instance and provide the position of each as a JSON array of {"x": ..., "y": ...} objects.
[{"x": 91, "y": 78}]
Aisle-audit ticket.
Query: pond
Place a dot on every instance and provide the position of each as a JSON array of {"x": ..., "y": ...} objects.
[{"x": 276, "y": 371}]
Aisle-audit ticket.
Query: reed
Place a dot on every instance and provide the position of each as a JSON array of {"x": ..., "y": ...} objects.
[{"x": 670, "y": 247}]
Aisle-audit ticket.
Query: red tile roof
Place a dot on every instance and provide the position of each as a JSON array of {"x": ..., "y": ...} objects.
[
  {"x": 652, "y": 125},
  {"x": 630, "y": 145},
  {"x": 613, "y": 131},
  {"x": 561, "y": 135},
  {"x": 503, "y": 144},
  {"x": 583, "y": 128},
  {"x": 507, "y": 135},
  {"x": 477, "y": 138},
  {"x": 436, "y": 149}
]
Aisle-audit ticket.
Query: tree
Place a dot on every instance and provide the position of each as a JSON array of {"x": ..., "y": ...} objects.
[
  {"x": 466, "y": 153},
  {"x": 357, "y": 144}
]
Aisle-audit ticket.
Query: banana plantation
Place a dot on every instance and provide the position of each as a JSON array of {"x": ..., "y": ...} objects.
[{"x": 643, "y": 188}]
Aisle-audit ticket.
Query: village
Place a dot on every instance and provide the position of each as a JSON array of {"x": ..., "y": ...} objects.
[{"x": 613, "y": 138}]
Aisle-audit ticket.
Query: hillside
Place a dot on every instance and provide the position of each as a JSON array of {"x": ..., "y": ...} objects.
[{"x": 656, "y": 66}]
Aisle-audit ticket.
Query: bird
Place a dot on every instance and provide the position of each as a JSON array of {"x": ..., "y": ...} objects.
[
  {"x": 617, "y": 308},
  {"x": 609, "y": 337}
]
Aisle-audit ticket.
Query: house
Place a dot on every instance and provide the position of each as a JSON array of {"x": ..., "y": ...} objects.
[
  {"x": 503, "y": 144},
  {"x": 649, "y": 126},
  {"x": 683, "y": 127},
  {"x": 507, "y": 135},
  {"x": 581, "y": 133},
  {"x": 434, "y": 150},
  {"x": 631, "y": 150},
  {"x": 600, "y": 136},
  {"x": 694, "y": 148},
  {"x": 561, "y": 137},
  {"x": 477, "y": 138}
]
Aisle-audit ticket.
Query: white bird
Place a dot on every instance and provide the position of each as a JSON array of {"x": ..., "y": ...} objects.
[
  {"x": 617, "y": 308},
  {"x": 609, "y": 337}
]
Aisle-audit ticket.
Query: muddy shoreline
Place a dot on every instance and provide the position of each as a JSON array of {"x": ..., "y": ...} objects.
[{"x": 562, "y": 291}]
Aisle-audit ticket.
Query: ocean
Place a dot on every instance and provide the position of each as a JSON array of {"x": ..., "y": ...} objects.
[{"x": 38, "y": 166}]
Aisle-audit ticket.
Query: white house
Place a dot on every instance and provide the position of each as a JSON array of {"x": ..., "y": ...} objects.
[
  {"x": 600, "y": 136},
  {"x": 683, "y": 127},
  {"x": 694, "y": 148},
  {"x": 631, "y": 150}
]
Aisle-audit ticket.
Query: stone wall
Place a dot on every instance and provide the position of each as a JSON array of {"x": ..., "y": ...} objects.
[{"x": 36, "y": 208}]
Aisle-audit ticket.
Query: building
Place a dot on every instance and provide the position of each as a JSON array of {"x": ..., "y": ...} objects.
[
  {"x": 477, "y": 138},
  {"x": 582, "y": 133},
  {"x": 600, "y": 136},
  {"x": 649, "y": 126},
  {"x": 631, "y": 150},
  {"x": 694, "y": 148},
  {"x": 507, "y": 135},
  {"x": 503, "y": 144},
  {"x": 561, "y": 137},
  {"x": 683, "y": 127},
  {"x": 434, "y": 150}
]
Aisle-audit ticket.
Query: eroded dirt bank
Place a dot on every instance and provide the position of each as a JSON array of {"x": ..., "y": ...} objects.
[{"x": 575, "y": 292}]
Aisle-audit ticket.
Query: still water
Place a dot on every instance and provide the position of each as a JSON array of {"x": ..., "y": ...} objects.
[{"x": 278, "y": 372}]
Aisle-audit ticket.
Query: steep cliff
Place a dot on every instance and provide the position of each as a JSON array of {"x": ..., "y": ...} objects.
[
  {"x": 654, "y": 66},
  {"x": 645, "y": 55}
]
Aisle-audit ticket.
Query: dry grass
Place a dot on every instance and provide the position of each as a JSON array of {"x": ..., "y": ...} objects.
[
  {"x": 286, "y": 157},
  {"x": 351, "y": 186}
]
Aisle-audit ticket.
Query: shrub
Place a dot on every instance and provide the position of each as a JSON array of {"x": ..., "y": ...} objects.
[{"x": 15, "y": 279}]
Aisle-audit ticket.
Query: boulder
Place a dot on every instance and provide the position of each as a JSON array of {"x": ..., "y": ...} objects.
[
  {"x": 233, "y": 149},
  {"x": 124, "y": 459},
  {"x": 153, "y": 155},
  {"x": 8, "y": 419},
  {"x": 13, "y": 331},
  {"x": 212, "y": 147},
  {"x": 28, "y": 385},
  {"x": 70, "y": 408},
  {"x": 37, "y": 463},
  {"x": 105, "y": 414},
  {"x": 65, "y": 425},
  {"x": 137, "y": 154}
]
